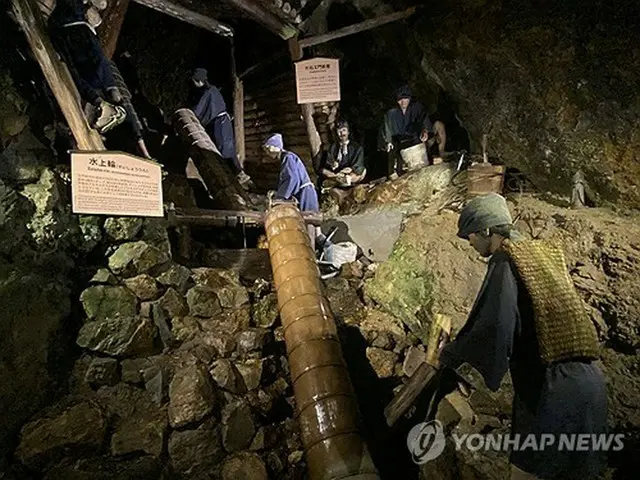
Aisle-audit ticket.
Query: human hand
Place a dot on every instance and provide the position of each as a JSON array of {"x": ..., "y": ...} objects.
[
  {"x": 424, "y": 136},
  {"x": 389, "y": 147}
]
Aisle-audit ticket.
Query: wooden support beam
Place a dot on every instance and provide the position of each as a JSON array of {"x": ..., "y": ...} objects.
[
  {"x": 309, "y": 7},
  {"x": 238, "y": 108},
  {"x": 263, "y": 63},
  {"x": 315, "y": 142},
  {"x": 29, "y": 18},
  {"x": 228, "y": 218},
  {"x": 266, "y": 18},
  {"x": 194, "y": 18},
  {"x": 357, "y": 28},
  {"x": 112, "y": 20},
  {"x": 238, "y": 119}
]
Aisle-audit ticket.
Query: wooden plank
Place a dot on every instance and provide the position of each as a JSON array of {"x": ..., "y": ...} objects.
[
  {"x": 255, "y": 143},
  {"x": 291, "y": 128},
  {"x": 258, "y": 116},
  {"x": 264, "y": 17},
  {"x": 112, "y": 20},
  {"x": 273, "y": 105},
  {"x": 357, "y": 28},
  {"x": 227, "y": 218},
  {"x": 263, "y": 64},
  {"x": 189, "y": 16},
  {"x": 29, "y": 19},
  {"x": 238, "y": 108},
  {"x": 287, "y": 88}
]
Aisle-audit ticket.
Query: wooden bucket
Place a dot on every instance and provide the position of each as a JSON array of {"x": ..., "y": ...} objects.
[{"x": 485, "y": 178}]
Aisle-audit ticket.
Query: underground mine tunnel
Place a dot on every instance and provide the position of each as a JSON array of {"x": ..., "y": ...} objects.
[{"x": 189, "y": 315}]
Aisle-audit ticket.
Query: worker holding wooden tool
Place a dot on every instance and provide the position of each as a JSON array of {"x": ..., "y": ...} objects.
[{"x": 529, "y": 319}]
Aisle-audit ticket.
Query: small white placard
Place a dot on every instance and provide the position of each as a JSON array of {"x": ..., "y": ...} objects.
[
  {"x": 318, "y": 80},
  {"x": 115, "y": 183}
]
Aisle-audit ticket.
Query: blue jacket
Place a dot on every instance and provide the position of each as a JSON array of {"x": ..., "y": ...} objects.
[{"x": 294, "y": 182}]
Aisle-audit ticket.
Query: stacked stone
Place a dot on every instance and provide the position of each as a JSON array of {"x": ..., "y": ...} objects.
[{"x": 180, "y": 373}]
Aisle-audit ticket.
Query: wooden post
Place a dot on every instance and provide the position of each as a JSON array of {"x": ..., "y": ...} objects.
[
  {"x": 238, "y": 108},
  {"x": 238, "y": 119},
  {"x": 56, "y": 73},
  {"x": 307, "y": 108},
  {"x": 112, "y": 20}
]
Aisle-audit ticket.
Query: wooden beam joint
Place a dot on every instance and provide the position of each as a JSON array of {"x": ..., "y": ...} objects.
[
  {"x": 266, "y": 18},
  {"x": 357, "y": 28},
  {"x": 189, "y": 16}
]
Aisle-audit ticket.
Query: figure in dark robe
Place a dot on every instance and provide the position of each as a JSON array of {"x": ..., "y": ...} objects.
[
  {"x": 408, "y": 125},
  {"x": 529, "y": 319},
  {"x": 77, "y": 43},
  {"x": 343, "y": 161}
]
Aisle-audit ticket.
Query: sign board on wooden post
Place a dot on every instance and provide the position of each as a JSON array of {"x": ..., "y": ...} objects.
[
  {"x": 115, "y": 183},
  {"x": 318, "y": 80}
]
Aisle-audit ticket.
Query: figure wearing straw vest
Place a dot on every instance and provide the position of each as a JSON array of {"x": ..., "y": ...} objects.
[{"x": 529, "y": 319}]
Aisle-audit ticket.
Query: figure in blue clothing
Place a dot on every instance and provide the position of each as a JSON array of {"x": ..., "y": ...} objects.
[
  {"x": 209, "y": 106},
  {"x": 294, "y": 181}
]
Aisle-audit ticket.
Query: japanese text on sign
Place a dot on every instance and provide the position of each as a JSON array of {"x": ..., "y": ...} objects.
[
  {"x": 115, "y": 183},
  {"x": 318, "y": 80}
]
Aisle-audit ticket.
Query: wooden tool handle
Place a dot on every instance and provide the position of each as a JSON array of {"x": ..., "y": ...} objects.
[{"x": 425, "y": 374}]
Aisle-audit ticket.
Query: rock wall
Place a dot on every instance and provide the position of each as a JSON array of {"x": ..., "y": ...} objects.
[
  {"x": 40, "y": 244},
  {"x": 553, "y": 84}
]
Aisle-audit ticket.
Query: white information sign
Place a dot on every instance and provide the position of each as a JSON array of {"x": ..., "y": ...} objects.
[
  {"x": 318, "y": 80},
  {"x": 115, "y": 183}
]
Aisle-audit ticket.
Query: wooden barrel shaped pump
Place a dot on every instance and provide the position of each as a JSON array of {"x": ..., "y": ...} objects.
[
  {"x": 222, "y": 184},
  {"x": 326, "y": 405}
]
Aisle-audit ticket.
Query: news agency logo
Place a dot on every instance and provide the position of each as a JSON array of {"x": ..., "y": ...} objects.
[{"x": 426, "y": 442}]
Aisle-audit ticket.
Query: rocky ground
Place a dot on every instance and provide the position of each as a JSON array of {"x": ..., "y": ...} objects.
[
  {"x": 116, "y": 361},
  {"x": 183, "y": 371}
]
